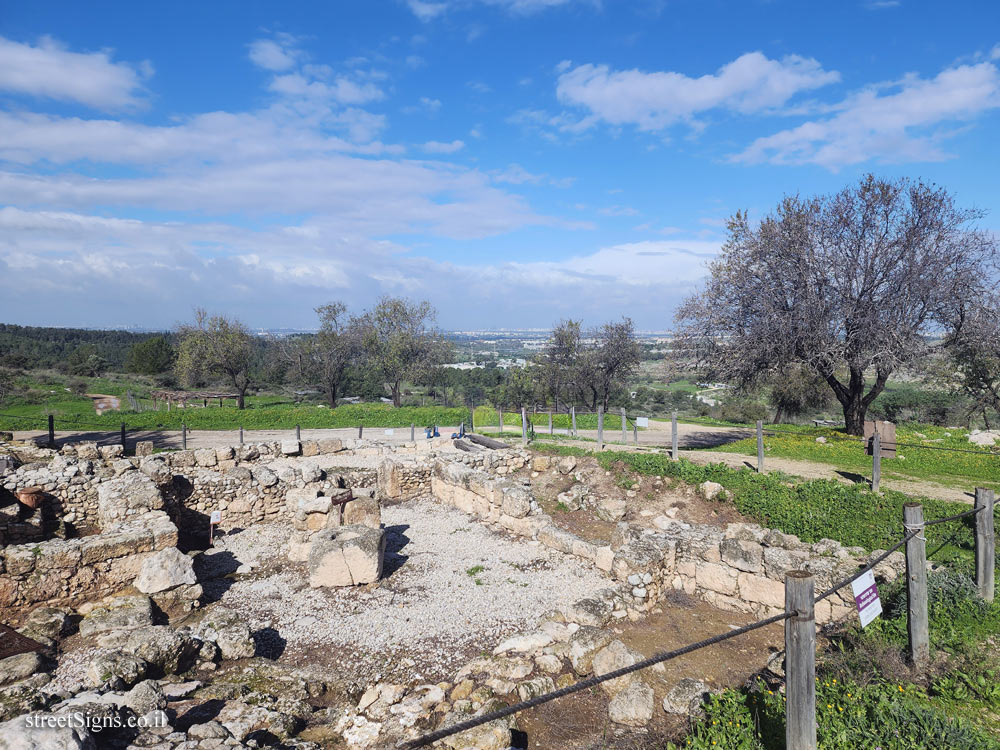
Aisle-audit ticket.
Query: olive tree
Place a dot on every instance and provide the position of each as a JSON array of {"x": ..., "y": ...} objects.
[
  {"x": 217, "y": 346},
  {"x": 398, "y": 343},
  {"x": 973, "y": 364},
  {"x": 326, "y": 357},
  {"x": 606, "y": 365},
  {"x": 853, "y": 285}
]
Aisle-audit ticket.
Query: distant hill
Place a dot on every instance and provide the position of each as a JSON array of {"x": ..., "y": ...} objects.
[{"x": 30, "y": 346}]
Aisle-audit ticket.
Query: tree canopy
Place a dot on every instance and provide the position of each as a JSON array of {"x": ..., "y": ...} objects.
[
  {"x": 853, "y": 285},
  {"x": 217, "y": 346}
]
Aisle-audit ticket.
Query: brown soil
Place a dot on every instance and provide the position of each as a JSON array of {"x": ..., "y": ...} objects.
[
  {"x": 103, "y": 402},
  {"x": 580, "y": 721}
]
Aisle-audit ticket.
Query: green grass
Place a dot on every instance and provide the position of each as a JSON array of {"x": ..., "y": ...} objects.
[
  {"x": 487, "y": 416},
  {"x": 916, "y": 459},
  {"x": 47, "y": 394},
  {"x": 818, "y": 509}
]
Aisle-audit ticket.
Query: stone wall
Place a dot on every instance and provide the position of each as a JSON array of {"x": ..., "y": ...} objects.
[
  {"x": 66, "y": 571},
  {"x": 740, "y": 568}
]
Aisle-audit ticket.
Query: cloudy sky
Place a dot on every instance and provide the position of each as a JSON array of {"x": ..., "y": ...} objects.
[{"x": 514, "y": 161}]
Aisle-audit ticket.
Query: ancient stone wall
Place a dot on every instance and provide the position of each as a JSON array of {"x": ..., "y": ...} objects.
[{"x": 740, "y": 568}]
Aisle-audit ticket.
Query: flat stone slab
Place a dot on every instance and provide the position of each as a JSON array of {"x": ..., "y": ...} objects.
[{"x": 346, "y": 556}]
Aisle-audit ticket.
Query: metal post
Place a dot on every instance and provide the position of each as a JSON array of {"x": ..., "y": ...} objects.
[
  {"x": 800, "y": 661},
  {"x": 123, "y": 438},
  {"x": 916, "y": 585},
  {"x": 673, "y": 437},
  {"x": 760, "y": 447},
  {"x": 985, "y": 543},
  {"x": 572, "y": 415},
  {"x": 184, "y": 436},
  {"x": 413, "y": 435},
  {"x": 524, "y": 426},
  {"x": 52, "y": 430},
  {"x": 600, "y": 428},
  {"x": 360, "y": 431},
  {"x": 298, "y": 433},
  {"x": 241, "y": 435},
  {"x": 624, "y": 426},
  {"x": 876, "y": 459},
  {"x": 550, "y": 422}
]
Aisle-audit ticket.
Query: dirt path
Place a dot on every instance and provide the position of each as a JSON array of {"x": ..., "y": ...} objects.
[
  {"x": 657, "y": 434},
  {"x": 814, "y": 470}
]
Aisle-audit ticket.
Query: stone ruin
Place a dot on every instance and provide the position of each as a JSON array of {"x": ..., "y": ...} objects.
[{"x": 104, "y": 560}]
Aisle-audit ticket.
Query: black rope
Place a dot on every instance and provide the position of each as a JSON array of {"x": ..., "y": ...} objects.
[
  {"x": 840, "y": 584},
  {"x": 955, "y": 517},
  {"x": 588, "y": 683}
]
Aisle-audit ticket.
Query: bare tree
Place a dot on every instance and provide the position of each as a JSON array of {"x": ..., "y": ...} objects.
[
  {"x": 557, "y": 364},
  {"x": 398, "y": 342},
  {"x": 974, "y": 357},
  {"x": 851, "y": 285},
  {"x": 215, "y": 346},
  {"x": 607, "y": 364},
  {"x": 325, "y": 358}
]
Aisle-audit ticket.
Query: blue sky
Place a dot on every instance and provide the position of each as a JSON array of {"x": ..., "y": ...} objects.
[{"x": 514, "y": 161}]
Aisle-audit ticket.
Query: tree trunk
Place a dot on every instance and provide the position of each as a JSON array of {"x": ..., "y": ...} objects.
[
  {"x": 778, "y": 415},
  {"x": 854, "y": 414},
  {"x": 241, "y": 400},
  {"x": 331, "y": 394},
  {"x": 396, "y": 400}
]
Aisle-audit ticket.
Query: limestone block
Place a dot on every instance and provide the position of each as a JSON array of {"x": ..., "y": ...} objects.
[
  {"x": 165, "y": 570},
  {"x": 744, "y": 555},
  {"x": 719, "y": 578},
  {"x": 144, "y": 448},
  {"x": 346, "y": 556},
  {"x": 290, "y": 447}
]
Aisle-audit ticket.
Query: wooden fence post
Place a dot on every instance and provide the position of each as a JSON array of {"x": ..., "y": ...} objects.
[
  {"x": 800, "y": 661},
  {"x": 600, "y": 428},
  {"x": 760, "y": 447},
  {"x": 472, "y": 418},
  {"x": 572, "y": 416},
  {"x": 916, "y": 585},
  {"x": 360, "y": 431},
  {"x": 985, "y": 543},
  {"x": 124, "y": 449},
  {"x": 52, "y": 430},
  {"x": 524, "y": 426},
  {"x": 551, "y": 429},
  {"x": 635, "y": 433},
  {"x": 876, "y": 459},
  {"x": 241, "y": 435},
  {"x": 298, "y": 433},
  {"x": 500, "y": 420},
  {"x": 413, "y": 429},
  {"x": 624, "y": 427},
  {"x": 184, "y": 437},
  {"x": 673, "y": 437}
]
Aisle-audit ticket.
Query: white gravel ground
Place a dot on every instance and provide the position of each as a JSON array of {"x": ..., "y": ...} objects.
[{"x": 453, "y": 589}]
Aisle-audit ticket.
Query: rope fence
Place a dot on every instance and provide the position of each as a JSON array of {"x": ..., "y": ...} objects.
[{"x": 800, "y": 629}]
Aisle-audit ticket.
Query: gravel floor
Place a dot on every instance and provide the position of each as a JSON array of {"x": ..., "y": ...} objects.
[{"x": 453, "y": 589}]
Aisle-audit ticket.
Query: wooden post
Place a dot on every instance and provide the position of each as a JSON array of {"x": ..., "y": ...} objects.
[
  {"x": 204, "y": 403},
  {"x": 673, "y": 437},
  {"x": 124, "y": 448},
  {"x": 220, "y": 402},
  {"x": 524, "y": 426},
  {"x": 472, "y": 418},
  {"x": 298, "y": 433},
  {"x": 876, "y": 459},
  {"x": 52, "y": 430},
  {"x": 600, "y": 428},
  {"x": 760, "y": 447},
  {"x": 360, "y": 431},
  {"x": 550, "y": 422},
  {"x": 800, "y": 661},
  {"x": 461, "y": 428},
  {"x": 916, "y": 585},
  {"x": 624, "y": 426},
  {"x": 985, "y": 543},
  {"x": 413, "y": 435},
  {"x": 635, "y": 433},
  {"x": 572, "y": 415},
  {"x": 184, "y": 436},
  {"x": 241, "y": 435}
]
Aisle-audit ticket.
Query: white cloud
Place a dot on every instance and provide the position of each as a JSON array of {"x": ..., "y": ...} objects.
[
  {"x": 900, "y": 121},
  {"x": 426, "y": 11},
  {"x": 340, "y": 90},
  {"x": 653, "y": 101},
  {"x": 50, "y": 71},
  {"x": 269, "y": 55},
  {"x": 438, "y": 147},
  {"x": 618, "y": 211}
]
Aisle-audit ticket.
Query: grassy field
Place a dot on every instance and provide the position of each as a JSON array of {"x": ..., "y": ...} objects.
[
  {"x": 918, "y": 457},
  {"x": 52, "y": 394}
]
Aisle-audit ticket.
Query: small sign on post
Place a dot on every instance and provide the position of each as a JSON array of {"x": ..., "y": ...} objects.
[
  {"x": 214, "y": 520},
  {"x": 866, "y": 597},
  {"x": 642, "y": 422}
]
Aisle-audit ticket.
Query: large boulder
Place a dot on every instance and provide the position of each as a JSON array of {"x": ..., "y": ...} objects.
[
  {"x": 19, "y": 666},
  {"x": 112, "y": 665},
  {"x": 169, "y": 651},
  {"x": 225, "y": 628},
  {"x": 346, "y": 556},
  {"x": 363, "y": 510},
  {"x": 129, "y": 495},
  {"x": 633, "y": 706},
  {"x": 16, "y": 734},
  {"x": 164, "y": 570},
  {"x": 119, "y": 613}
]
